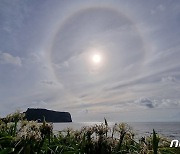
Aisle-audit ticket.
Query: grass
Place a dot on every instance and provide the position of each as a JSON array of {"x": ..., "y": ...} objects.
[{"x": 19, "y": 136}]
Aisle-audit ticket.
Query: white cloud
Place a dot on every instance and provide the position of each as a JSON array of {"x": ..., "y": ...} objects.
[
  {"x": 158, "y": 103},
  {"x": 6, "y": 58},
  {"x": 66, "y": 64},
  {"x": 161, "y": 7},
  {"x": 157, "y": 9},
  {"x": 166, "y": 103},
  {"x": 146, "y": 102},
  {"x": 168, "y": 79},
  {"x": 48, "y": 82}
]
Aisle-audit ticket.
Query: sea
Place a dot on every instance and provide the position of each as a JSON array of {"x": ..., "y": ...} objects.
[{"x": 170, "y": 130}]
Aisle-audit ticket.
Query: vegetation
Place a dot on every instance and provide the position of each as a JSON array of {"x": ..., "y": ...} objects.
[{"x": 29, "y": 137}]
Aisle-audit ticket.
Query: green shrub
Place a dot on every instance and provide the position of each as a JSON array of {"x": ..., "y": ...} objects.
[{"x": 29, "y": 137}]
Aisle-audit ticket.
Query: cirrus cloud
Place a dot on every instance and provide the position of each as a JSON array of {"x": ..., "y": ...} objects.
[{"x": 7, "y": 58}]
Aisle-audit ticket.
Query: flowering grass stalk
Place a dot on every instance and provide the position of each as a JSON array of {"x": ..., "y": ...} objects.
[{"x": 30, "y": 137}]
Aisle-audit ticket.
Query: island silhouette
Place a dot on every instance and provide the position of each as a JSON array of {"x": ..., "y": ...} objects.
[{"x": 39, "y": 114}]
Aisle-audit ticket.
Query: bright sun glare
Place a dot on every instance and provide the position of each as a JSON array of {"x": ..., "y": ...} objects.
[{"x": 96, "y": 58}]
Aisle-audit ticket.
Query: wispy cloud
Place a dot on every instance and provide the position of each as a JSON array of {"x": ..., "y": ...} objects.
[
  {"x": 48, "y": 82},
  {"x": 47, "y": 49},
  {"x": 7, "y": 58},
  {"x": 169, "y": 79},
  {"x": 146, "y": 102}
]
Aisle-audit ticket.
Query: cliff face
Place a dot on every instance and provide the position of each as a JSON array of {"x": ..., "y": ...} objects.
[{"x": 49, "y": 115}]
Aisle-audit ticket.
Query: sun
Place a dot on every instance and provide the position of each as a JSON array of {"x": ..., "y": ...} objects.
[{"x": 96, "y": 58}]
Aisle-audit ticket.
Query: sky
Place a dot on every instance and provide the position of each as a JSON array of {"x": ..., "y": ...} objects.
[{"x": 47, "y": 50}]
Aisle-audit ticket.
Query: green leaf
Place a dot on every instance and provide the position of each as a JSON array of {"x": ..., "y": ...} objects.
[
  {"x": 155, "y": 142},
  {"x": 6, "y": 139},
  {"x": 8, "y": 150}
]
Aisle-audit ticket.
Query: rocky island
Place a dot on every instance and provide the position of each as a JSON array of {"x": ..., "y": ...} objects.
[{"x": 49, "y": 115}]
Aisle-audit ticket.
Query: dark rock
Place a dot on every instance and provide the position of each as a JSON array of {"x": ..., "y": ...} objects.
[{"x": 49, "y": 115}]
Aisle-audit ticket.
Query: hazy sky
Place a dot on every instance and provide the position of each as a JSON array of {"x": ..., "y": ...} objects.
[{"x": 47, "y": 49}]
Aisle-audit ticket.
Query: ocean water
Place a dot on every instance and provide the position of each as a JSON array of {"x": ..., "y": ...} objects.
[{"x": 170, "y": 130}]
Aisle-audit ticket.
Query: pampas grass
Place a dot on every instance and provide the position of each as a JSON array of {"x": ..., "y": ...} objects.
[{"x": 29, "y": 137}]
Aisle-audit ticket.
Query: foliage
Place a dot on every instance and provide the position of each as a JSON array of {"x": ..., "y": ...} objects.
[{"x": 20, "y": 136}]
